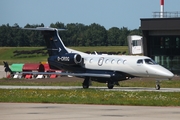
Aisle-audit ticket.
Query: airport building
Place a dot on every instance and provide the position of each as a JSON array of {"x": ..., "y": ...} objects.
[{"x": 161, "y": 39}]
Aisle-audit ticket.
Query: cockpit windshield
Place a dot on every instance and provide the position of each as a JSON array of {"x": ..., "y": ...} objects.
[
  {"x": 150, "y": 61},
  {"x": 140, "y": 61},
  {"x": 147, "y": 61}
]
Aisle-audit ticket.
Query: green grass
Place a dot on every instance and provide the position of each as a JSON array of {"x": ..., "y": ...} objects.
[
  {"x": 6, "y": 53},
  {"x": 90, "y": 96}
]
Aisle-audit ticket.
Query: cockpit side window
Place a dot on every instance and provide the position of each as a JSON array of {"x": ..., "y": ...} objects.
[
  {"x": 140, "y": 61},
  {"x": 150, "y": 61}
]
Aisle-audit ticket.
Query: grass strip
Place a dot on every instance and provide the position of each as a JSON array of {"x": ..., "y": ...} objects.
[{"x": 90, "y": 96}]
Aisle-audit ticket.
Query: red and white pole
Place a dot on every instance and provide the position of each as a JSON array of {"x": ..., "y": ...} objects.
[{"x": 162, "y": 9}]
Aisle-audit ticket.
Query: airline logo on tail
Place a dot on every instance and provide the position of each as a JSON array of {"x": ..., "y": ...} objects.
[{"x": 59, "y": 49}]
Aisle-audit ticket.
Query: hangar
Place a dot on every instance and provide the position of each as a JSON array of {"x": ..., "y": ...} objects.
[{"x": 161, "y": 41}]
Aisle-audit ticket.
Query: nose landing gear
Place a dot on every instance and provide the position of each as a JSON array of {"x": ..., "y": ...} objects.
[{"x": 157, "y": 87}]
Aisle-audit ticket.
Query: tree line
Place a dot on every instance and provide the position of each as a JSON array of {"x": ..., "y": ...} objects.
[{"x": 75, "y": 34}]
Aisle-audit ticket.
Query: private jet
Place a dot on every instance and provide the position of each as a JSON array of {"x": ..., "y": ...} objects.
[{"x": 102, "y": 68}]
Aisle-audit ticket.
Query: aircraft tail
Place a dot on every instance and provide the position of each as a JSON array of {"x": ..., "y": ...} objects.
[
  {"x": 54, "y": 44},
  {"x": 57, "y": 51}
]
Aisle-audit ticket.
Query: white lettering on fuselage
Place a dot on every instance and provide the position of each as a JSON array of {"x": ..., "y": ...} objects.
[{"x": 63, "y": 58}]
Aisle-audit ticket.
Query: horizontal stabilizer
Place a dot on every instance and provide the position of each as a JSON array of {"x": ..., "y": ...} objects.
[{"x": 44, "y": 29}]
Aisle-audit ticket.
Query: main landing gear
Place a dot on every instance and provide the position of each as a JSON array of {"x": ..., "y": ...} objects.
[
  {"x": 110, "y": 84},
  {"x": 86, "y": 83}
]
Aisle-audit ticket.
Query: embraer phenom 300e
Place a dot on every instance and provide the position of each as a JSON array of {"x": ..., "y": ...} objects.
[{"x": 101, "y": 68}]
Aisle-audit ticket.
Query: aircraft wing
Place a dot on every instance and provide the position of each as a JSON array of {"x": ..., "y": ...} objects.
[{"x": 71, "y": 74}]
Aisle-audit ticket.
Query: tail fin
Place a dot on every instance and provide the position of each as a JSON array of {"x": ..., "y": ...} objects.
[
  {"x": 54, "y": 44},
  {"x": 58, "y": 53}
]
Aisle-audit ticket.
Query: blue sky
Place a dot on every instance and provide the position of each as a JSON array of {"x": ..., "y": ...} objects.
[{"x": 108, "y": 13}]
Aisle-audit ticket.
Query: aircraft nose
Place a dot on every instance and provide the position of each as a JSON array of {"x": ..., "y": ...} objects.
[
  {"x": 170, "y": 75},
  {"x": 167, "y": 74}
]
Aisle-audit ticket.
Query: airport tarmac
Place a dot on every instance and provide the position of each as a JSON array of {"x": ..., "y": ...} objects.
[
  {"x": 39, "y": 111},
  {"x": 100, "y": 88},
  {"x": 2, "y": 73}
]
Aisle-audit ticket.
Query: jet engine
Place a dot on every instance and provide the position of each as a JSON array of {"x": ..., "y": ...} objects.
[{"x": 70, "y": 59}]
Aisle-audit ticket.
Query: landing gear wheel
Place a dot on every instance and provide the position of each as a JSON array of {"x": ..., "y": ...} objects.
[
  {"x": 85, "y": 84},
  {"x": 157, "y": 87},
  {"x": 110, "y": 85}
]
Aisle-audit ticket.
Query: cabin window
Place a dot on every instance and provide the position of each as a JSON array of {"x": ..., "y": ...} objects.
[
  {"x": 119, "y": 61},
  {"x": 124, "y": 62},
  {"x": 113, "y": 61},
  {"x": 107, "y": 61},
  {"x": 150, "y": 61},
  {"x": 91, "y": 60},
  {"x": 140, "y": 61}
]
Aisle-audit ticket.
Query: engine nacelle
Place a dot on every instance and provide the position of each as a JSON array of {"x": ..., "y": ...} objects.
[{"x": 70, "y": 59}]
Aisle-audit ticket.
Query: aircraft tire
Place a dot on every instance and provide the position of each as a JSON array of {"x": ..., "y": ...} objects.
[
  {"x": 157, "y": 87},
  {"x": 110, "y": 85},
  {"x": 85, "y": 86}
]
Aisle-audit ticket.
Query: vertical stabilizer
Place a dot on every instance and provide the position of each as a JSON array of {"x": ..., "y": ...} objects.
[
  {"x": 59, "y": 57},
  {"x": 54, "y": 43}
]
